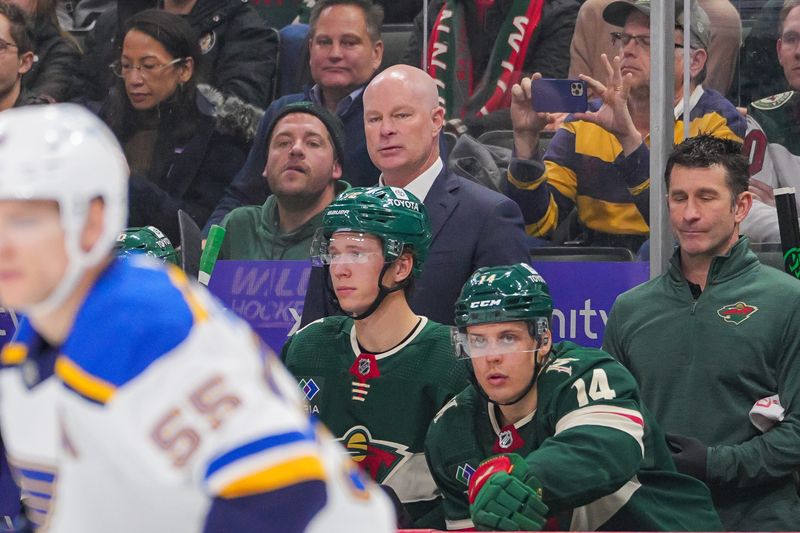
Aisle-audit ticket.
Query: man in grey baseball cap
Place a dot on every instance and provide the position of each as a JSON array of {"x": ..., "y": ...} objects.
[
  {"x": 598, "y": 161},
  {"x": 616, "y": 13}
]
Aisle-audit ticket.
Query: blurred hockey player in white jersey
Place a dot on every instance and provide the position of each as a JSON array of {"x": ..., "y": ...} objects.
[{"x": 129, "y": 400}]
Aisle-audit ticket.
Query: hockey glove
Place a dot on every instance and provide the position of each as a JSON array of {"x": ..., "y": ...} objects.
[
  {"x": 503, "y": 496},
  {"x": 689, "y": 454}
]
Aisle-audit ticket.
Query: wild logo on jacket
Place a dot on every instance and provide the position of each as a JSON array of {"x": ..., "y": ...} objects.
[
  {"x": 376, "y": 457},
  {"x": 736, "y": 313}
]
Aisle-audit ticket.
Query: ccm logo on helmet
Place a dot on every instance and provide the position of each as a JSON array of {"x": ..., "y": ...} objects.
[
  {"x": 408, "y": 204},
  {"x": 484, "y": 303}
]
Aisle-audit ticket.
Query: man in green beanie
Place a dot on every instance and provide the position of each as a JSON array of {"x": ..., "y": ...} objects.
[{"x": 305, "y": 150}]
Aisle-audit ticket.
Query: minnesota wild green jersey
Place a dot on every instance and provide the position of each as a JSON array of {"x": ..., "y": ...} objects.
[
  {"x": 601, "y": 458},
  {"x": 380, "y": 405}
]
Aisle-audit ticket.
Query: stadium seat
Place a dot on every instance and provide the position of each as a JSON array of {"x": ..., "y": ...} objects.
[
  {"x": 503, "y": 138},
  {"x": 277, "y": 14},
  {"x": 293, "y": 60},
  {"x": 279, "y": 56},
  {"x": 581, "y": 253},
  {"x": 449, "y": 140},
  {"x": 395, "y": 42},
  {"x": 769, "y": 253}
]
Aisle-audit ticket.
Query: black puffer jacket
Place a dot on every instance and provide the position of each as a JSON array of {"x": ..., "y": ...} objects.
[
  {"x": 192, "y": 175},
  {"x": 240, "y": 50},
  {"x": 52, "y": 78}
]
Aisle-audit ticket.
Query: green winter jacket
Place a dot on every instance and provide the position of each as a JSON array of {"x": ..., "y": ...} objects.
[
  {"x": 702, "y": 365},
  {"x": 253, "y": 232}
]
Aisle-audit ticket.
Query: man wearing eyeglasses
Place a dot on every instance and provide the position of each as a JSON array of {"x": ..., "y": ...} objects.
[
  {"x": 16, "y": 54},
  {"x": 591, "y": 39},
  {"x": 598, "y": 161},
  {"x": 773, "y": 134}
]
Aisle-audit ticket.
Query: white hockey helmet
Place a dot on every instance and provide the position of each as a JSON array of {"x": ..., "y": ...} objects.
[{"x": 63, "y": 152}]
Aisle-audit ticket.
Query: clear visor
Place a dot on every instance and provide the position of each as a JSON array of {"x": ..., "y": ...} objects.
[
  {"x": 471, "y": 345},
  {"x": 24, "y": 224},
  {"x": 122, "y": 252},
  {"x": 351, "y": 248}
]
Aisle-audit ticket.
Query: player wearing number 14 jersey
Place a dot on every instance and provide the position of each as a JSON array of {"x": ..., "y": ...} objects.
[
  {"x": 130, "y": 401},
  {"x": 550, "y": 435}
]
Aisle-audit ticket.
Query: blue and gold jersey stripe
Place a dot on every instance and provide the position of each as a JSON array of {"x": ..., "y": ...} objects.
[
  {"x": 295, "y": 467},
  {"x": 291, "y": 472},
  {"x": 82, "y": 382},
  {"x": 257, "y": 446},
  {"x": 181, "y": 281},
  {"x": 13, "y": 353},
  {"x": 152, "y": 309}
]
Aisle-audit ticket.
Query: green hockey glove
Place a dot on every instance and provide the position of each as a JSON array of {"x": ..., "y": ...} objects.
[{"x": 503, "y": 496}]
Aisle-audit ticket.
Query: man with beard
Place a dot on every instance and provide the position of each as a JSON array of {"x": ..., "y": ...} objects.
[{"x": 305, "y": 150}]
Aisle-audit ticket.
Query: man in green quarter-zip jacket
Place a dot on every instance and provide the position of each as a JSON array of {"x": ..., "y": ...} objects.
[{"x": 714, "y": 345}]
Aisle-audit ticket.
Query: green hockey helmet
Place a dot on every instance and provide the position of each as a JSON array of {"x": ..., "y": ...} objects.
[
  {"x": 147, "y": 240},
  {"x": 504, "y": 294},
  {"x": 513, "y": 293},
  {"x": 393, "y": 214}
]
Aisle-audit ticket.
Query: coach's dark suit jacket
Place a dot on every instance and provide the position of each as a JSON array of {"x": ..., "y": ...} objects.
[{"x": 472, "y": 226}]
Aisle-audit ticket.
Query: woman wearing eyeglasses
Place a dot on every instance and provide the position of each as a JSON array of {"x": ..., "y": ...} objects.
[
  {"x": 52, "y": 74},
  {"x": 181, "y": 154}
]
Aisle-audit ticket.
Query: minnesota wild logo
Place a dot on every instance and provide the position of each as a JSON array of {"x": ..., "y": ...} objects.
[
  {"x": 773, "y": 102},
  {"x": 736, "y": 313},
  {"x": 376, "y": 457}
]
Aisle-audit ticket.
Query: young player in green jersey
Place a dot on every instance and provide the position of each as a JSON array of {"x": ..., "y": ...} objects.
[
  {"x": 377, "y": 376},
  {"x": 550, "y": 435}
]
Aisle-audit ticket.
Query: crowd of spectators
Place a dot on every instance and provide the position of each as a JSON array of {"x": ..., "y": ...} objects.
[
  {"x": 477, "y": 50},
  {"x": 190, "y": 89}
]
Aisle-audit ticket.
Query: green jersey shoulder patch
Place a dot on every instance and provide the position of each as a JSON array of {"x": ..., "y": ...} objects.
[{"x": 773, "y": 102}]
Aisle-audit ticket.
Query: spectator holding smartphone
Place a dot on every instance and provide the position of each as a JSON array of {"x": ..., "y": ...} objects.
[{"x": 599, "y": 160}]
